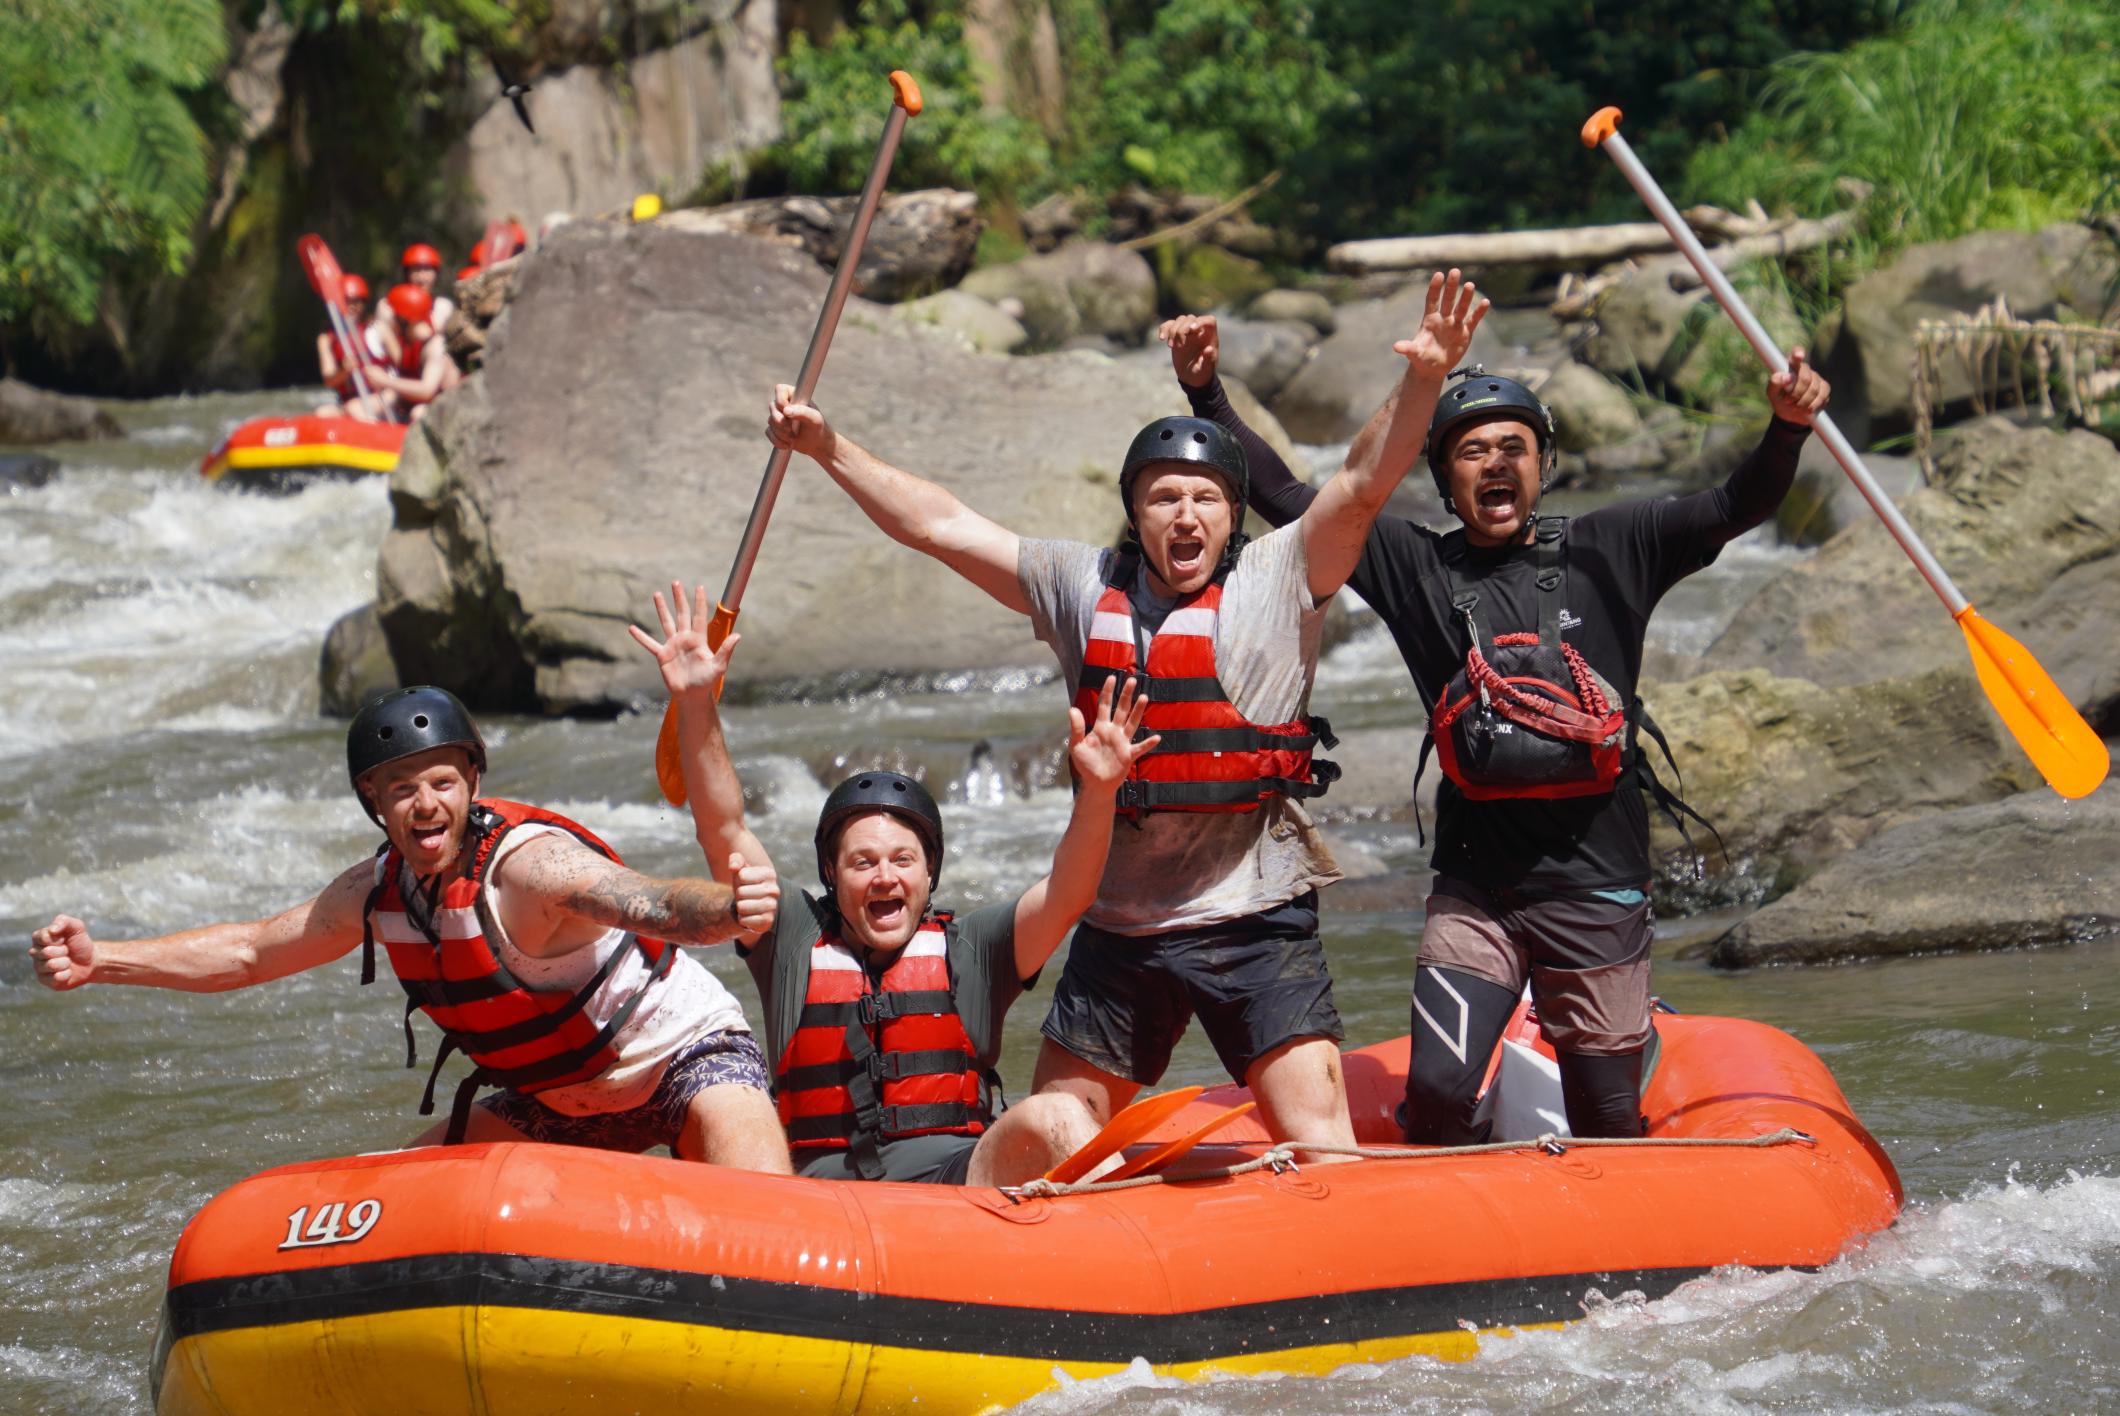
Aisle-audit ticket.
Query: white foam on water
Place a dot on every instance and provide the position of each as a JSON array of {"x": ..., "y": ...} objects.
[
  {"x": 248, "y": 852},
  {"x": 1951, "y": 1299},
  {"x": 70, "y": 1379},
  {"x": 39, "y": 1204},
  {"x": 140, "y": 600}
]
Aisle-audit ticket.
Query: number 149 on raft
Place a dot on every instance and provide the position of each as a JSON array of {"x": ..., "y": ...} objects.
[{"x": 332, "y": 1224}]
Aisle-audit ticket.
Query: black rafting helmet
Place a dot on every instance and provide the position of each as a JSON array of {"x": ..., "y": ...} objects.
[
  {"x": 405, "y": 721},
  {"x": 880, "y": 791},
  {"x": 1195, "y": 440},
  {"x": 1478, "y": 395}
]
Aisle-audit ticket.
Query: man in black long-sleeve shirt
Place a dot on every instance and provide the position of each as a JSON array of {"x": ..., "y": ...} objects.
[{"x": 1549, "y": 889}]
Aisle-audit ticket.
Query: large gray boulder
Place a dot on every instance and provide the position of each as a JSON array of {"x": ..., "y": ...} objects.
[
  {"x": 1085, "y": 287},
  {"x": 1589, "y": 410},
  {"x": 2032, "y": 869},
  {"x": 1351, "y": 372},
  {"x": 30, "y": 415},
  {"x": 919, "y": 243},
  {"x": 1266, "y": 355},
  {"x": 615, "y": 440},
  {"x": 2026, "y": 521},
  {"x": 1647, "y": 331},
  {"x": 1867, "y": 347},
  {"x": 355, "y": 665},
  {"x": 984, "y": 326},
  {"x": 1824, "y": 501},
  {"x": 1794, "y": 774}
]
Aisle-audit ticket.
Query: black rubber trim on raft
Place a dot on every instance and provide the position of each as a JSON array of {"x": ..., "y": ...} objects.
[{"x": 927, "y": 1324}]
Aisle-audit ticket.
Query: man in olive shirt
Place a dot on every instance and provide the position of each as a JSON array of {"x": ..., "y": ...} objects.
[{"x": 882, "y": 1014}]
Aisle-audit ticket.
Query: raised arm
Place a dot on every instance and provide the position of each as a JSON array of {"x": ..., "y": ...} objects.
[
  {"x": 1195, "y": 349},
  {"x": 216, "y": 957},
  {"x": 557, "y": 894},
  {"x": 909, "y": 510},
  {"x": 1338, "y": 522},
  {"x": 693, "y": 674},
  {"x": 1102, "y": 753}
]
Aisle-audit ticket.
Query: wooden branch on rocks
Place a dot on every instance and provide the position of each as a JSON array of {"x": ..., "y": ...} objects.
[
  {"x": 1579, "y": 294},
  {"x": 1205, "y": 219},
  {"x": 1566, "y": 248},
  {"x": 1788, "y": 238}
]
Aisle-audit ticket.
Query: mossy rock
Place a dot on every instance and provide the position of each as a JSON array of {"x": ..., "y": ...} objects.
[{"x": 1198, "y": 279}]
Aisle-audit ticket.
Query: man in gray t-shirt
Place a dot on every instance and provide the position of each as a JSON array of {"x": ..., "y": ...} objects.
[
  {"x": 883, "y": 1012},
  {"x": 1208, "y": 903}
]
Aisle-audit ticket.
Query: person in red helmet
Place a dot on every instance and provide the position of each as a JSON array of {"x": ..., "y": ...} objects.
[
  {"x": 422, "y": 265},
  {"x": 335, "y": 362},
  {"x": 418, "y": 368}
]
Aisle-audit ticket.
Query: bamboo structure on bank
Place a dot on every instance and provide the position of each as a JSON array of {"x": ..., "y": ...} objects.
[{"x": 1992, "y": 348}]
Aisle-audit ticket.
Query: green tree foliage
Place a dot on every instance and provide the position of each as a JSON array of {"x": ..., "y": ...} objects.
[
  {"x": 834, "y": 102},
  {"x": 1466, "y": 114},
  {"x": 1209, "y": 95},
  {"x": 102, "y": 158},
  {"x": 1385, "y": 116},
  {"x": 1980, "y": 113}
]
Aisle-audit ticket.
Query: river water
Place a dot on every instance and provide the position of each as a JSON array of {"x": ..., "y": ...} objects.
[{"x": 162, "y": 764}]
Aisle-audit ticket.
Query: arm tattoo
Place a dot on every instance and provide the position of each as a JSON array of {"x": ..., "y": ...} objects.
[{"x": 684, "y": 910}]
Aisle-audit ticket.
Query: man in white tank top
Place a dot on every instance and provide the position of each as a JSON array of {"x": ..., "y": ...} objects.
[{"x": 551, "y": 964}]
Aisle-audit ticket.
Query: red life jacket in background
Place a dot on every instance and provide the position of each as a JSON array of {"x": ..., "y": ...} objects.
[
  {"x": 1212, "y": 757},
  {"x": 877, "y": 1060},
  {"x": 1527, "y": 716},
  {"x": 342, "y": 381},
  {"x": 529, "y": 1040}
]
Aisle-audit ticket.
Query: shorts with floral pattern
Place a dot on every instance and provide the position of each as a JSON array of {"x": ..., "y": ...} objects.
[{"x": 718, "y": 1059}]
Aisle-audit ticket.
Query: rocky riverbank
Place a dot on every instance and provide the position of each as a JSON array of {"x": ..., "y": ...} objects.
[{"x": 612, "y": 440}]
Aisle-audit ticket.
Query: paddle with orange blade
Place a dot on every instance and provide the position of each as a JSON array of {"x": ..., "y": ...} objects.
[
  {"x": 1122, "y": 1131},
  {"x": 905, "y": 103},
  {"x": 1163, "y": 1155},
  {"x": 329, "y": 282},
  {"x": 2046, "y": 725}
]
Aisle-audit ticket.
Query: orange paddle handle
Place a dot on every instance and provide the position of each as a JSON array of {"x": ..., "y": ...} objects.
[
  {"x": 905, "y": 92},
  {"x": 1602, "y": 125}
]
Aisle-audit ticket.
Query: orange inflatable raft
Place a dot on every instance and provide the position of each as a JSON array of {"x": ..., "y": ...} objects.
[
  {"x": 533, "y": 1279},
  {"x": 268, "y": 452}
]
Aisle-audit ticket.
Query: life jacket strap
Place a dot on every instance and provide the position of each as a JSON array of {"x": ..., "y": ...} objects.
[
  {"x": 1138, "y": 795},
  {"x": 1167, "y": 689}
]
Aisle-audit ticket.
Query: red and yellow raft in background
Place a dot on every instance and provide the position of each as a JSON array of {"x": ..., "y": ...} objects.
[
  {"x": 532, "y": 1279},
  {"x": 268, "y": 451}
]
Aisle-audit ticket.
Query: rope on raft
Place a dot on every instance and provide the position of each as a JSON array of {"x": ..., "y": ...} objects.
[{"x": 1281, "y": 1158}]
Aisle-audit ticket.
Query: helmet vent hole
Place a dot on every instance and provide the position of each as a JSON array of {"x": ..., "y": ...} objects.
[
  {"x": 1168, "y": 435},
  {"x": 385, "y": 733},
  {"x": 1199, "y": 437},
  {"x": 419, "y": 720}
]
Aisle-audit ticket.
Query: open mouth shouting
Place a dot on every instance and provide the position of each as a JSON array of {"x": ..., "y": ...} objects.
[
  {"x": 886, "y": 915},
  {"x": 1187, "y": 554},
  {"x": 1499, "y": 501}
]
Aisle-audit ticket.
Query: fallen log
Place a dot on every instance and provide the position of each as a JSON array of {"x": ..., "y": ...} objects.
[{"x": 1563, "y": 248}]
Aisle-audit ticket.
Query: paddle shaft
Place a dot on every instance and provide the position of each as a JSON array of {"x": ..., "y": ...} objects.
[
  {"x": 835, "y": 300},
  {"x": 350, "y": 341},
  {"x": 1769, "y": 352}
]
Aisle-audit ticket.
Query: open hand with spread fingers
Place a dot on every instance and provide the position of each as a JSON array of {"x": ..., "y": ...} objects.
[
  {"x": 1452, "y": 315},
  {"x": 1798, "y": 395},
  {"x": 689, "y": 666},
  {"x": 1195, "y": 348},
  {"x": 1103, "y": 752}
]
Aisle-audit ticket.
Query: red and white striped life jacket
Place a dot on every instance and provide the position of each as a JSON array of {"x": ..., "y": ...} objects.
[
  {"x": 1212, "y": 758},
  {"x": 529, "y": 1040},
  {"x": 876, "y": 1060}
]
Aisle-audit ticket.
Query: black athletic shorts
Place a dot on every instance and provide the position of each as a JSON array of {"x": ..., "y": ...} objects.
[{"x": 1124, "y": 1000}]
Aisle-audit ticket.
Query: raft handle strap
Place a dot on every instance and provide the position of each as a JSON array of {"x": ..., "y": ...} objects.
[{"x": 1280, "y": 1158}]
